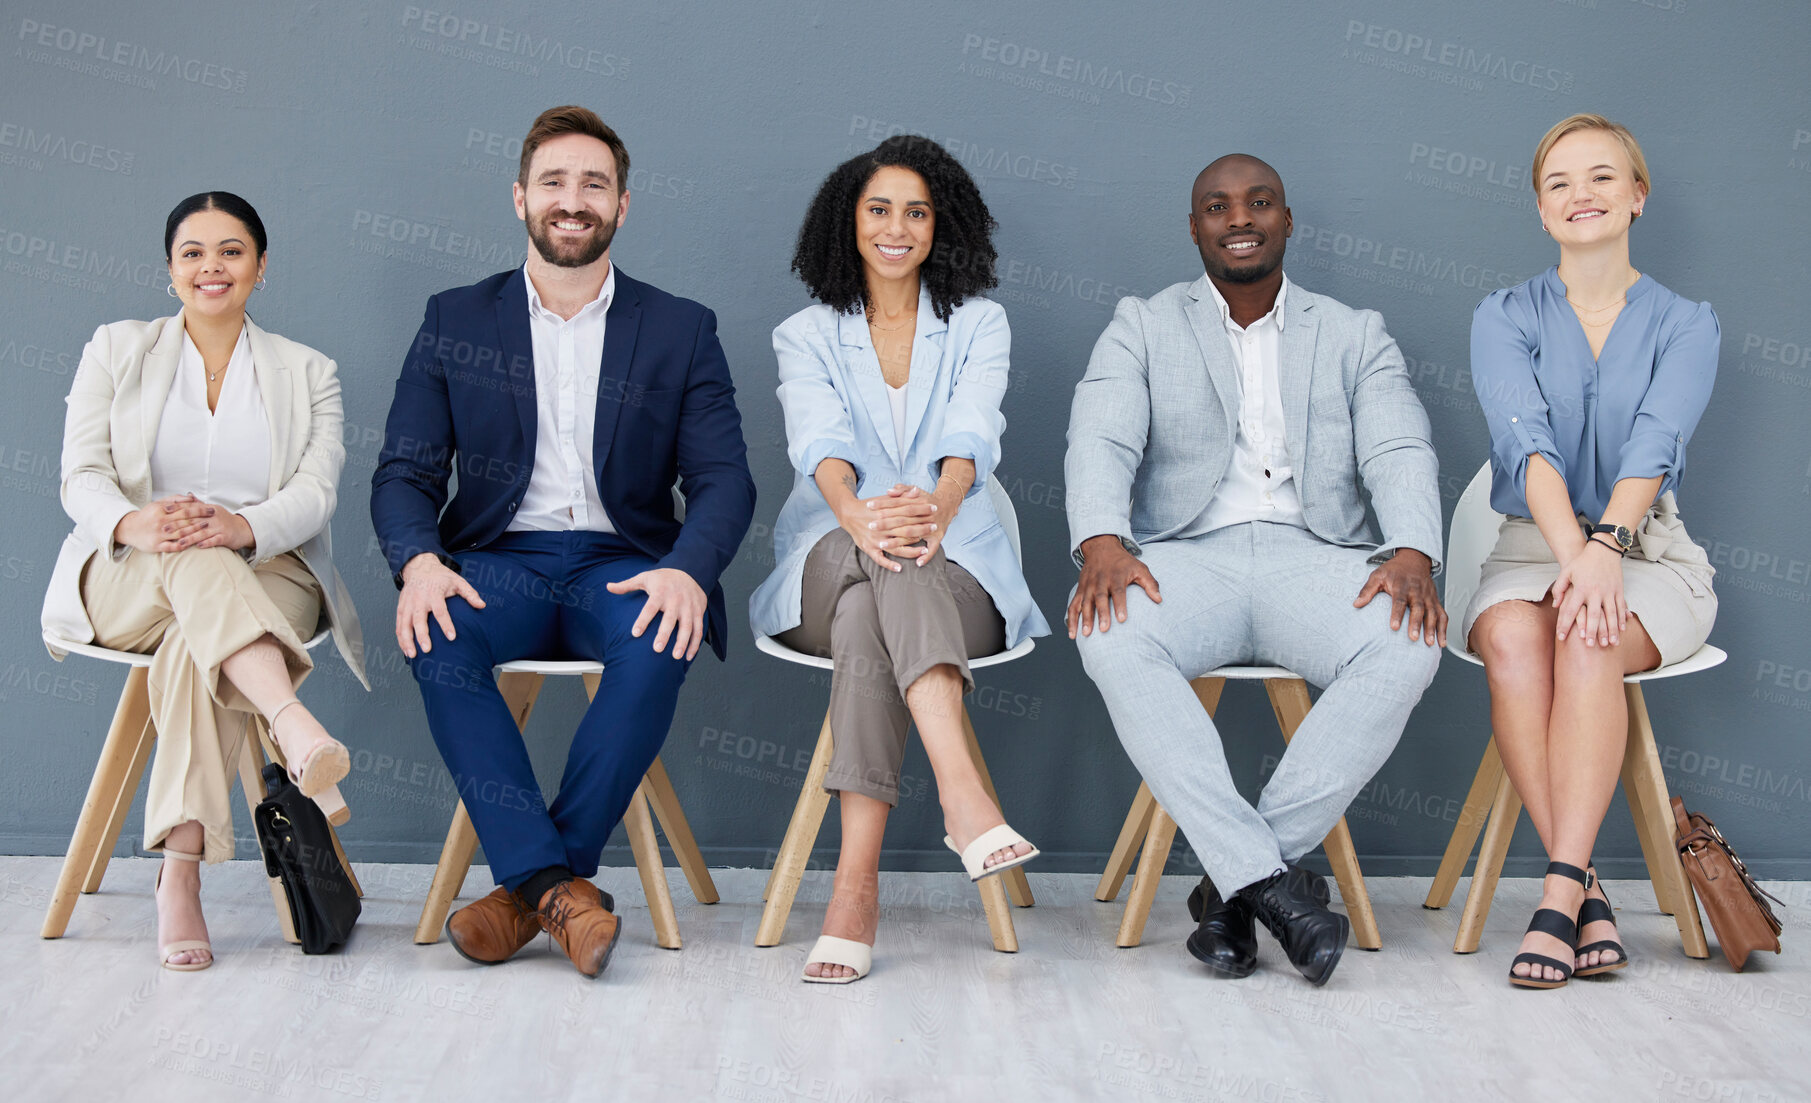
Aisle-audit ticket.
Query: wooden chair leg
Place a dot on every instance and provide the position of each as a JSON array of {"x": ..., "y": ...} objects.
[
  {"x": 1289, "y": 700},
  {"x": 639, "y": 826},
  {"x": 129, "y": 788},
  {"x": 519, "y": 693},
  {"x": 1651, "y": 852},
  {"x": 1125, "y": 848},
  {"x": 660, "y": 794},
  {"x": 1156, "y": 852},
  {"x": 1657, "y": 809},
  {"x": 795, "y": 850},
  {"x": 131, "y": 718},
  {"x": 1465, "y": 832},
  {"x": 251, "y": 783},
  {"x": 1505, "y": 812},
  {"x": 449, "y": 876},
  {"x": 1017, "y": 886},
  {"x": 999, "y": 912}
]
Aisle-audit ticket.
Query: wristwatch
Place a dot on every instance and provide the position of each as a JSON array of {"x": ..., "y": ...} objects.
[{"x": 1624, "y": 536}]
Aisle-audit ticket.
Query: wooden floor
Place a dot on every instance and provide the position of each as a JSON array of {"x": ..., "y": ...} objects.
[{"x": 942, "y": 1017}]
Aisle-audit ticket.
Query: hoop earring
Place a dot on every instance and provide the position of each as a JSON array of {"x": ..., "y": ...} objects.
[
  {"x": 259, "y": 286},
  {"x": 171, "y": 291}
]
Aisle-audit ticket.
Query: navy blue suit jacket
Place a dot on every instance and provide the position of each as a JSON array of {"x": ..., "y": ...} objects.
[{"x": 666, "y": 412}]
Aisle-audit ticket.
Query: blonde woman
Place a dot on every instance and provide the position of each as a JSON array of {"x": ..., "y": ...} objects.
[{"x": 1592, "y": 377}]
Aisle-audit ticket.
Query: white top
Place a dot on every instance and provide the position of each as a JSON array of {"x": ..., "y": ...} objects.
[
  {"x": 222, "y": 457},
  {"x": 896, "y": 398},
  {"x": 568, "y": 357},
  {"x": 1259, "y": 484}
]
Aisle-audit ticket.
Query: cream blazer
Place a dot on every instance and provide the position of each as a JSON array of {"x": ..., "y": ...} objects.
[{"x": 115, "y": 406}]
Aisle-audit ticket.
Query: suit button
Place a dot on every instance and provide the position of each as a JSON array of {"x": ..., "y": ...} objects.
[{"x": 512, "y": 507}]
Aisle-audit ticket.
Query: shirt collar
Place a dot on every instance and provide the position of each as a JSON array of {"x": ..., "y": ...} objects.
[
  {"x": 1276, "y": 310},
  {"x": 599, "y": 305}
]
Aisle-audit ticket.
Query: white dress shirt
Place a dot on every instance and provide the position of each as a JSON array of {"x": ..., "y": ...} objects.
[
  {"x": 1259, "y": 484},
  {"x": 568, "y": 357},
  {"x": 220, "y": 456},
  {"x": 896, "y": 399}
]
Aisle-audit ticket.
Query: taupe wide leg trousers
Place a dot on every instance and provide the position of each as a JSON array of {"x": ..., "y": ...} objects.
[
  {"x": 885, "y": 629},
  {"x": 192, "y": 610}
]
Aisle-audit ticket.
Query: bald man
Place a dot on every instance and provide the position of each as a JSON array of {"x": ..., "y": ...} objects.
[{"x": 1216, "y": 449}]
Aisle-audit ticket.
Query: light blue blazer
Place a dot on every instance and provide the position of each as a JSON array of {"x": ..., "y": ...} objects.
[{"x": 835, "y": 400}]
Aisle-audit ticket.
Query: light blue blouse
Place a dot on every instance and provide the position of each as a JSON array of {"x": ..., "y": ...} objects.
[
  {"x": 1626, "y": 414},
  {"x": 834, "y": 396}
]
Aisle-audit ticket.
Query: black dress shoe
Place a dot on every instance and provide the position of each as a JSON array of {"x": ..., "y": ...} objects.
[
  {"x": 1227, "y": 939},
  {"x": 1312, "y": 937}
]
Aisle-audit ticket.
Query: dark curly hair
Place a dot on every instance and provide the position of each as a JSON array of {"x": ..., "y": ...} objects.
[{"x": 962, "y": 257}]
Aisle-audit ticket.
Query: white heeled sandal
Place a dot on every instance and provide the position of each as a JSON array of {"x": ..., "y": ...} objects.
[
  {"x": 974, "y": 856},
  {"x": 831, "y": 950},
  {"x": 187, "y": 945}
]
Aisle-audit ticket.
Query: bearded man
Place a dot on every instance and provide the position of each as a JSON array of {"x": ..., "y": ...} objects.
[{"x": 570, "y": 399}]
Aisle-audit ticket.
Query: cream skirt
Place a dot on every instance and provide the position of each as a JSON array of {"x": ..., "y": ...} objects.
[{"x": 1665, "y": 577}]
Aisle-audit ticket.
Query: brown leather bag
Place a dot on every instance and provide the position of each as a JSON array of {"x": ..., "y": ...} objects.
[{"x": 1738, "y": 914}]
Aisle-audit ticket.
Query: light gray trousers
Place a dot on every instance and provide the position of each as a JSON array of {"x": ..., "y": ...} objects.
[{"x": 1257, "y": 594}]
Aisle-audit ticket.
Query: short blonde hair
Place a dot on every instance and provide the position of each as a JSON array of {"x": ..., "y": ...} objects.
[{"x": 1571, "y": 124}]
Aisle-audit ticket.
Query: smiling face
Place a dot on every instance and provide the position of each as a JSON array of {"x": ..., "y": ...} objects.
[
  {"x": 894, "y": 224},
  {"x": 1238, "y": 219},
  {"x": 214, "y": 264},
  {"x": 1588, "y": 191},
  {"x": 573, "y": 201}
]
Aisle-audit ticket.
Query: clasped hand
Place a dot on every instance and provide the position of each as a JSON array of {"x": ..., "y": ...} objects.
[
  {"x": 181, "y": 522},
  {"x": 907, "y": 522}
]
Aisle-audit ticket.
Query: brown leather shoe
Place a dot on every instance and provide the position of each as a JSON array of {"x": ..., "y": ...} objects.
[
  {"x": 491, "y": 930},
  {"x": 573, "y": 912}
]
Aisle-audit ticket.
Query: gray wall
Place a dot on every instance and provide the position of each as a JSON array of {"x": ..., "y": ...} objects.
[{"x": 378, "y": 141}]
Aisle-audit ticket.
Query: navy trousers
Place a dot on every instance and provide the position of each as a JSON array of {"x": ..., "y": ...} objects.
[{"x": 544, "y": 598}]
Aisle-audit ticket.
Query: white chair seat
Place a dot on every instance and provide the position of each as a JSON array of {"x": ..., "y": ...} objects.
[
  {"x": 550, "y": 667},
  {"x": 1704, "y": 658},
  {"x": 770, "y": 646},
  {"x": 135, "y": 658},
  {"x": 1250, "y": 673}
]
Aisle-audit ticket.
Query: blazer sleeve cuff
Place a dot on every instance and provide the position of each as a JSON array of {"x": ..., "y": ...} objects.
[
  {"x": 966, "y": 446},
  {"x": 1422, "y": 544},
  {"x": 829, "y": 448},
  {"x": 1102, "y": 528}
]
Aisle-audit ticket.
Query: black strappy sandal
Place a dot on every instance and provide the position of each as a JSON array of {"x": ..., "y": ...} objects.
[
  {"x": 1560, "y": 926},
  {"x": 1599, "y": 911}
]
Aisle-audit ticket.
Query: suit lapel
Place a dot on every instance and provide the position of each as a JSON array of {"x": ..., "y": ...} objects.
[
  {"x": 1295, "y": 372},
  {"x": 622, "y": 323},
  {"x": 157, "y": 373},
  {"x": 866, "y": 379},
  {"x": 1210, "y": 334},
  {"x": 274, "y": 383},
  {"x": 517, "y": 347},
  {"x": 928, "y": 336}
]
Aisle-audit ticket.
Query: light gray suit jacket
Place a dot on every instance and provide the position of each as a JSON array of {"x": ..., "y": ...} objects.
[
  {"x": 1151, "y": 430},
  {"x": 115, "y": 406}
]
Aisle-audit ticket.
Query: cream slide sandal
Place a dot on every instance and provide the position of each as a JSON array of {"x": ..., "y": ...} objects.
[
  {"x": 831, "y": 950},
  {"x": 187, "y": 945},
  {"x": 998, "y": 838}
]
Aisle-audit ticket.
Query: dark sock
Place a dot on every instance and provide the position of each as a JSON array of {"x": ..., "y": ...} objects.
[{"x": 540, "y": 881}]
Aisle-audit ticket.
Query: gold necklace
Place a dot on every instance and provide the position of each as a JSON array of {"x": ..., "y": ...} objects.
[
  {"x": 1582, "y": 309},
  {"x": 889, "y": 329}
]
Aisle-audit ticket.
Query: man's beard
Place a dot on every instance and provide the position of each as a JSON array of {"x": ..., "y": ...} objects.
[
  {"x": 575, "y": 254},
  {"x": 1248, "y": 274}
]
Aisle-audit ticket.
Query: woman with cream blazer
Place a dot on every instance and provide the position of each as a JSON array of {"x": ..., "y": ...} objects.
[{"x": 201, "y": 456}]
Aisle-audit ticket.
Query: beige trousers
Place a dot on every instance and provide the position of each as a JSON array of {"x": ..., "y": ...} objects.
[{"x": 192, "y": 610}]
